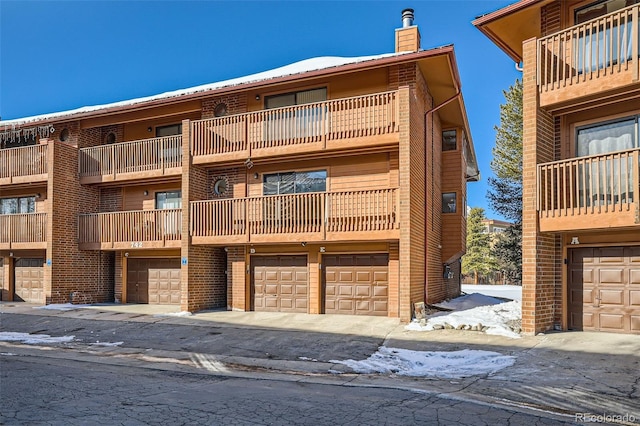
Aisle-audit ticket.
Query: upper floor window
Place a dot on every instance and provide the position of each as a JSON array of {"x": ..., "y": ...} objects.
[
  {"x": 17, "y": 205},
  {"x": 610, "y": 136},
  {"x": 449, "y": 142},
  {"x": 296, "y": 98},
  {"x": 449, "y": 202},
  {"x": 22, "y": 140},
  {"x": 294, "y": 182},
  {"x": 169, "y": 130},
  {"x": 169, "y": 200},
  {"x": 600, "y": 8}
]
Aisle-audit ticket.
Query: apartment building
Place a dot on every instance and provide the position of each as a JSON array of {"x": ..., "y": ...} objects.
[
  {"x": 317, "y": 187},
  {"x": 581, "y": 223}
]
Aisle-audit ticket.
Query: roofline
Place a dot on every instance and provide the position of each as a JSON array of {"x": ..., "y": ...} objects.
[
  {"x": 507, "y": 10},
  {"x": 373, "y": 63}
]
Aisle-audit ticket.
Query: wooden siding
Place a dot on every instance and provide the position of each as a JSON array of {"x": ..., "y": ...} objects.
[
  {"x": 23, "y": 164},
  {"x": 123, "y": 161},
  {"x": 453, "y": 180},
  {"x": 320, "y": 216},
  {"x": 134, "y": 197}
]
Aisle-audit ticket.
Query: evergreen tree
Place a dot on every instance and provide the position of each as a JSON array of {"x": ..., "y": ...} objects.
[
  {"x": 478, "y": 260},
  {"x": 505, "y": 190}
]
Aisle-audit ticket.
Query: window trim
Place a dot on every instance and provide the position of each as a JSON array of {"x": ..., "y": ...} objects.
[
  {"x": 576, "y": 127},
  {"x": 455, "y": 201},
  {"x": 155, "y": 198}
]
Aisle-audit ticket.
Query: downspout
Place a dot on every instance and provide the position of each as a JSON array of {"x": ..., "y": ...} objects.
[{"x": 426, "y": 228}]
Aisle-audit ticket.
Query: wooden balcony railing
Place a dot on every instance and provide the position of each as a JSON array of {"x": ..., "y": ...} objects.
[
  {"x": 312, "y": 126},
  {"x": 599, "y": 191},
  {"x": 586, "y": 54},
  {"x": 21, "y": 231},
  {"x": 318, "y": 216},
  {"x": 130, "y": 229},
  {"x": 131, "y": 160},
  {"x": 23, "y": 164}
]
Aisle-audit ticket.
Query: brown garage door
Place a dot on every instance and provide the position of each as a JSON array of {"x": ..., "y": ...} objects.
[
  {"x": 153, "y": 281},
  {"x": 604, "y": 289},
  {"x": 279, "y": 283},
  {"x": 29, "y": 280},
  {"x": 356, "y": 284}
]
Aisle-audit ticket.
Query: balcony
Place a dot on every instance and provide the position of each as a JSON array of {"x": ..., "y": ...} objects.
[
  {"x": 588, "y": 193},
  {"x": 140, "y": 229},
  {"x": 590, "y": 60},
  {"x": 310, "y": 217},
  {"x": 143, "y": 159},
  {"x": 356, "y": 122},
  {"x": 23, "y": 231},
  {"x": 25, "y": 164}
]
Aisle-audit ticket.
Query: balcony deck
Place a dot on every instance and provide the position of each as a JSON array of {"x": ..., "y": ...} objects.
[
  {"x": 589, "y": 61},
  {"x": 310, "y": 217},
  {"x": 135, "y": 160},
  {"x": 23, "y": 231},
  {"x": 357, "y": 122},
  {"x": 588, "y": 193},
  {"x": 128, "y": 230},
  {"x": 26, "y": 164}
]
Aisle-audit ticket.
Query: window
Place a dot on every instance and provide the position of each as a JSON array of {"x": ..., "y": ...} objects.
[
  {"x": 449, "y": 140},
  {"x": 301, "y": 122},
  {"x": 18, "y": 205},
  {"x": 22, "y": 140},
  {"x": 169, "y": 200},
  {"x": 606, "y": 180},
  {"x": 294, "y": 182},
  {"x": 449, "y": 202},
  {"x": 169, "y": 130},
  {"x": 600, "y": 46}
]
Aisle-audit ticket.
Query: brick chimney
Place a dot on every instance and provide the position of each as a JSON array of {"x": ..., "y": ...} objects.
[{"x": 407, "y": 37}]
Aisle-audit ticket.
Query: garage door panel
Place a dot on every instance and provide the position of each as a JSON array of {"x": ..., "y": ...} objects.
[
  {"x": 612, "y": 321},
  {"x": 612, "y": 297},
  {"x": 635, "y": 323},
  {"x": 608, "y": 283},
  {"x": 279, "y": 283},
  {"x": 356, "y": 284},
  {"x": 611, "y": 276}
]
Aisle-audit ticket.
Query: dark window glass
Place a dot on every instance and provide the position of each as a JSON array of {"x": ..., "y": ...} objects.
[
  {"x": 169, "y": 200},
  {"x": 449, "y": 202},
  {"x": 294, "y": 182},
  {"x": 170, "y": 130},
  {"x": 449, "y": 140},
  {"x": 17, "y": 205}
]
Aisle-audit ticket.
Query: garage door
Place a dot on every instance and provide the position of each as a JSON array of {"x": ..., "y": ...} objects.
[
  {"x": 280, "y": 283},
  {"x": 29, "y": 280},
  {"x": 356, "y": 284},
  {"x": 153, "y": 281},
  {"x": 604, "y": 289}
]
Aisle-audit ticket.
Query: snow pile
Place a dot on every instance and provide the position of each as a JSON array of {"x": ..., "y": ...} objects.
[
  {"x": 33, "y": 339},
  {"x": 469, "y": 301},
  {"x": 512, "y": 292},
  {"x": 452, "y": 365},
  {"x": 61, "y": 307},
  {"x": 106, "y": 344},
  {"x": 501, "y": 319}
]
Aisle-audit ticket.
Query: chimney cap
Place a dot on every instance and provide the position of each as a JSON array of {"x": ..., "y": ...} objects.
[{"x": 407, "y": 17}]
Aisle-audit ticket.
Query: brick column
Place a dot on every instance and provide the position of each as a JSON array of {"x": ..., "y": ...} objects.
[
  {"x": 203, "y": 279},
  {"x": 404, "y": 202},
  {"x": 538, "y": 250}
]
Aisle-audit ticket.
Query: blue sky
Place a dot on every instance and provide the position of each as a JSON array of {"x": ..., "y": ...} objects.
[{"x": 60, "y": 55}]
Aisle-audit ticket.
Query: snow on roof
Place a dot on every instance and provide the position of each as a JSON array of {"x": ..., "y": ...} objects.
[{"x": 307, "y": 65}]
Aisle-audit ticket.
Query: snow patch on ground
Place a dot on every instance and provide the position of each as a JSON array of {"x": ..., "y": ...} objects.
[
  {"x": 513, "y": 292},
  {"x": 62, "y": 307},
  {"x": 107, "y": 344},
  {"x": 174, "y": 314},
  {"x": 33, "y": 339},
  {"x": 469, "y": 301},
  {"x": 450, "y": 365}
]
